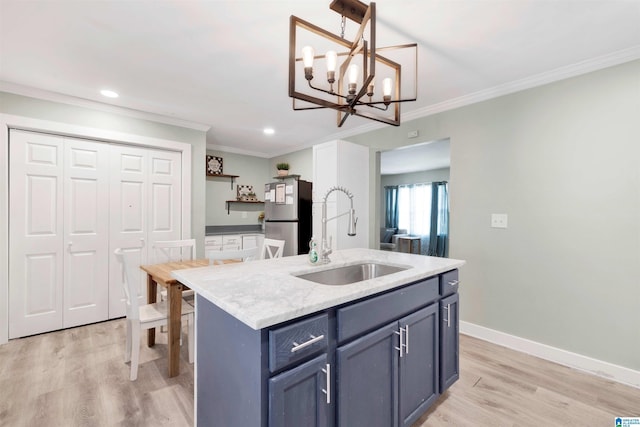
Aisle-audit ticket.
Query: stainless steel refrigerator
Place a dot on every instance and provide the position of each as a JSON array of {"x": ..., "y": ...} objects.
[{"x": 287, "y": 214}]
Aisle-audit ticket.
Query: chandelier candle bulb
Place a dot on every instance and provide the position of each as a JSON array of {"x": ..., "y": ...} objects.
[
  {"x": 370, "y": 88},
  {"x": 332, "y": 61},
  {"x": 353, "y": 75},
  {"x": 307, "y": 58},
  {"x": 387, "y": 85}
]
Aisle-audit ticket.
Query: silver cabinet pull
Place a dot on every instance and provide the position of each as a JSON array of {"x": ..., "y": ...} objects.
[
  {"x": 313, "y": 340},
  {"x": 402, "y": 343},
  {"x": 454, "y": 282},
  {"x": 448, "y": 308},
  {"x": 406, "y": 340},
  {"x": 327, "y": 390}
]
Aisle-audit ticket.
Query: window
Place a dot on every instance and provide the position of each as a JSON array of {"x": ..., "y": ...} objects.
[{"x": 414, "y": 208}]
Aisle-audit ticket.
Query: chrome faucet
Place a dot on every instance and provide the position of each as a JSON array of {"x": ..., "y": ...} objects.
[{"x": 325, "y": 249}]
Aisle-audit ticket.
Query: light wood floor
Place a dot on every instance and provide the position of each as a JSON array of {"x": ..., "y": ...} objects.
[{"x": 77, "y": 377}]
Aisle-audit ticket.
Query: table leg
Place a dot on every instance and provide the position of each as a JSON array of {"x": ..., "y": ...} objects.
[
  {"x": 152, "y": 288},
  {"x": 174, "y": 294}
]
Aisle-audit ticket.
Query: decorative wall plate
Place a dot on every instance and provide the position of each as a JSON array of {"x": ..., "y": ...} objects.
[{"x": 214, "y": 165}]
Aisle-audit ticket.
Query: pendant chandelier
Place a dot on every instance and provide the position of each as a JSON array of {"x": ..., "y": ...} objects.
[{"x": 351, "y": 66}]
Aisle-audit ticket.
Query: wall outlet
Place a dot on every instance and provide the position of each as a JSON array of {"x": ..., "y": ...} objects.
[
  {"x": 412, "y": 134},
  {"x": 244, "y": 214},
  {"x": 499, "y": 220}
]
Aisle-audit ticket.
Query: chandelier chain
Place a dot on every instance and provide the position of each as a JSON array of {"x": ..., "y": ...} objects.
[{"x": 342, "y": 25}]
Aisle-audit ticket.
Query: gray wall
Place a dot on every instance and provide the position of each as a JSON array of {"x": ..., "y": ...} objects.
[
  {"x": 300, "y": 163},
  {"x": 253, "y": 171},
  {"x": 562, "y": 160},
  {"x": 58, "y": 112}
]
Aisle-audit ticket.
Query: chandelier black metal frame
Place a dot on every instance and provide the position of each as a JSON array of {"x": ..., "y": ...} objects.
[{"x": 345, "y": 91}]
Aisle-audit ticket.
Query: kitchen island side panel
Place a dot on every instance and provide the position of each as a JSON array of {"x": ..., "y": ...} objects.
[{"x": 230, "y": 375}]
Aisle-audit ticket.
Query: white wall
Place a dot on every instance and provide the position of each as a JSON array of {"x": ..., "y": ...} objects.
[
  {"x": 300, "y": 163},
  {"x": 562, "y": 160}
]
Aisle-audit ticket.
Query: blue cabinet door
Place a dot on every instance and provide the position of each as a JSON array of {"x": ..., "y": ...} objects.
[
  {"x": 418, "y": 380},
  {"x": 449, "y": 342},
  {"x": 368, "y": 380},
  {"x": 297, "y": 397}
]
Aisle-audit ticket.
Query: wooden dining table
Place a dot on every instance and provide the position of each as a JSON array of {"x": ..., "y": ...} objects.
[{"x": 160, "y": 274}]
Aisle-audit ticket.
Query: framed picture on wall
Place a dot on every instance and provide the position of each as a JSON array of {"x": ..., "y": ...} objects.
[{"x": 214, "y": 165}]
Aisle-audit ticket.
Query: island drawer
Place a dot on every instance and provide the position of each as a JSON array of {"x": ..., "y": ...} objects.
[
  {"x": 449, "y": 283},
  {"x": 298, "y": 340},
  {"x": 358, "y": 318}
]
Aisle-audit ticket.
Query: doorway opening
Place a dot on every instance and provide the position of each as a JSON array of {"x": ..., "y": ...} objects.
[{"x": 413, "y": 192}]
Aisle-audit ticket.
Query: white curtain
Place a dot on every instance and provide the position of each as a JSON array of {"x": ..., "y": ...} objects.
[{"x": 414, "y": 208}]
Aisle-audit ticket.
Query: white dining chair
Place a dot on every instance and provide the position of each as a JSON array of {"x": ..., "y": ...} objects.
[
  {"x": 145, "y": 316},
  {"x": 218, "y": 257},
  {"x": 272, "y": 248},
  {"x": 175, "y": 250}
]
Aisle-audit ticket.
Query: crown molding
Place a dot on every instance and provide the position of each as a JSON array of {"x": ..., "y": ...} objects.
[
  {"x": 561, "y": 73},
  {"x": 234, "y": 150},
  {"x": 95, "y": 105}
]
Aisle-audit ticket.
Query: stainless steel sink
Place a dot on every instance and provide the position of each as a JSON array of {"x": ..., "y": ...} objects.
[{"x": 351, "y": 273}]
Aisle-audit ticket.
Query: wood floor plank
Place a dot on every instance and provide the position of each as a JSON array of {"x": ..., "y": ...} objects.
[{"x": 77, "y": 377}]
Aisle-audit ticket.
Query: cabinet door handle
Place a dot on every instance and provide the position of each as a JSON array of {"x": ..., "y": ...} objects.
[
  {"x": 448, "y": 308},
  {"x": 313, "y": 340},
  {"x": 402, "y": 344},
  {"x": 327, "y": 390},
  {"x": 406, "y": 339},
  {"x": 453, "y": 282}
]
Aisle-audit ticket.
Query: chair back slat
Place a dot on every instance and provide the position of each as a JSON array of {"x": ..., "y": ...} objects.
[
  {"x": 128, "y": 262},
  {"x": 272, "y": 248},
  {"x": 174, "y": 250},
  {"x": 217, "y": 257}
]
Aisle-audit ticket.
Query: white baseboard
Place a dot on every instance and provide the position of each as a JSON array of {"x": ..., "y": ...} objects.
[{"x": 573, "y": 360}]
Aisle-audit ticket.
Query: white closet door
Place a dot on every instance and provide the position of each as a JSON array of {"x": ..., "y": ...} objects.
[
  {"x": 35, "y": 233},
  {"x": 128, "y": 221},
  {"x": 86, "y": 244},
  {"x": 146, "y": 196},
  {"x": 165, "y": 198}
]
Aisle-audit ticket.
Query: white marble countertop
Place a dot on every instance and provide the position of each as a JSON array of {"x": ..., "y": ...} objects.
[{"x": 266, "y": 292}]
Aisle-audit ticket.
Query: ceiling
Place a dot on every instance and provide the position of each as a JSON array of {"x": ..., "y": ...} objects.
[
  {"x": 222, "y": 65},
  {"x": 423, "y": 156}
]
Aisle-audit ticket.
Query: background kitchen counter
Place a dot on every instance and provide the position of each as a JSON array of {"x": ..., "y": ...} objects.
[{"x": 213, "y": 230}]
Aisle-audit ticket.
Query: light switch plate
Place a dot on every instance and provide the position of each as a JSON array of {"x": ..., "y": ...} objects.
[{"x": 499, "y": 220}]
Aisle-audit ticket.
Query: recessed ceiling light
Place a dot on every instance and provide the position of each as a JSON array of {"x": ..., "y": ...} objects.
[
  {"x": 109, "y": 93},
  {"x": 269, "y": 131}
]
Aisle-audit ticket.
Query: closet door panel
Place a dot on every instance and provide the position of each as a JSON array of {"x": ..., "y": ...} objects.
[
  {"x": 128, "y": 219},
  {"x": 35, "y": 233},
  {"x": 86, "y": 213},
  {"x": 165, "y": 192}
]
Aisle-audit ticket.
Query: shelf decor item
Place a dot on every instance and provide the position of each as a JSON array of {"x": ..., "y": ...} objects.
[
  {"x": 283, "y": 169},
  {"x": 246, "y": 193},
  {"x": 214, "y": 165}
]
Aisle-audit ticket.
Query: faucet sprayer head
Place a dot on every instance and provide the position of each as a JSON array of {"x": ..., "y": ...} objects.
[{"x": 353, "y": 221}]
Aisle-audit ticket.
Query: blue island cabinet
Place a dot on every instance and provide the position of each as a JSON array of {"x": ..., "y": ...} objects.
[{"x": 378, "y": 361}]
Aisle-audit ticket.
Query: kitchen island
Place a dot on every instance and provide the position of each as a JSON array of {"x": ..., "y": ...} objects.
[{"x": 274, "y": 349}]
